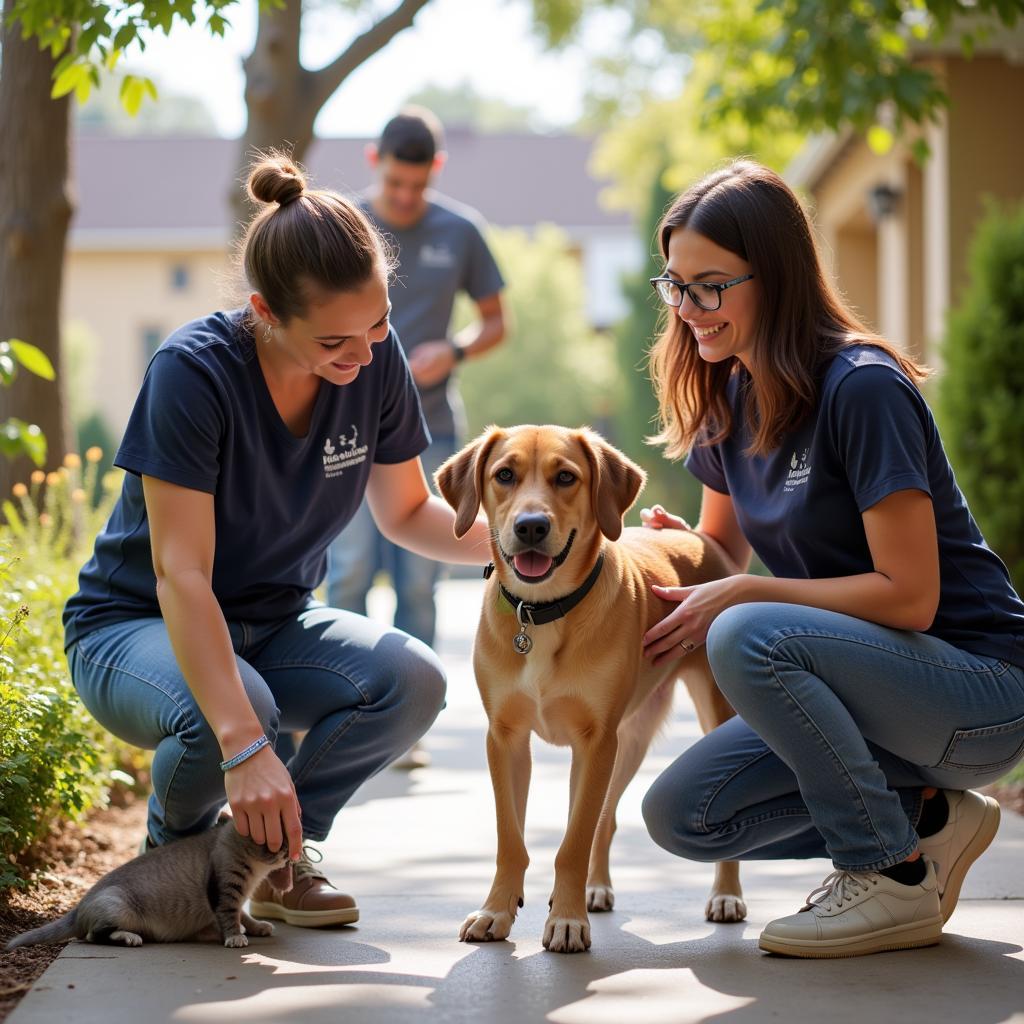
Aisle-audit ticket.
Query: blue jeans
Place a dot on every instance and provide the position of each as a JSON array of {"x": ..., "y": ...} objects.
[
  {"x": 840, "y": 725},
  {"x": 360, "y": 551},
  {"x": 361, "y": 692}
]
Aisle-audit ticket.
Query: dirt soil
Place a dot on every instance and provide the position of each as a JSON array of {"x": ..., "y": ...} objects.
[{"x": 82, "y": 853}]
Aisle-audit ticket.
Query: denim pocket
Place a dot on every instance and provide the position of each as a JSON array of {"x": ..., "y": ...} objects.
[{"x": 990, "y": 747}]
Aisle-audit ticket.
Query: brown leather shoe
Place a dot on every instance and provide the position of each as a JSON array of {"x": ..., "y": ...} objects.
[{"x": 312, "y": 902}]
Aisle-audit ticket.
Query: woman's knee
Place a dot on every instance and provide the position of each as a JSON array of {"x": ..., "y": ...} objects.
[{"x": 673, "y": 817}]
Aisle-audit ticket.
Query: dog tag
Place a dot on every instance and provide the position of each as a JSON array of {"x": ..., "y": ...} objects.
[{"x": 521, "y": 643}]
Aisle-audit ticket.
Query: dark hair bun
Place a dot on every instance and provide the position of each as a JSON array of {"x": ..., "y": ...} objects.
[{"x": 276, "y": 179}]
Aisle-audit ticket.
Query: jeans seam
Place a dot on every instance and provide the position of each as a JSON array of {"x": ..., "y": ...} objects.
[
  {"x": 787, "y": 633},
  {"x": 263, "y": 669},
  {"x": 321, "y": 751},
  {"x": 706, "y": 805},
  {"x": 816, "y": 729}
]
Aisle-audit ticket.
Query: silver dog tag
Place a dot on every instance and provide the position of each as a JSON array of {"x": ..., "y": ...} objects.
[{"x": 521, "y": 643}]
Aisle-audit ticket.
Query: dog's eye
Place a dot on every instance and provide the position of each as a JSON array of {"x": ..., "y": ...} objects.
[
  {"x": 505, "y": 476},
  {"x": 565, "y": 478}
]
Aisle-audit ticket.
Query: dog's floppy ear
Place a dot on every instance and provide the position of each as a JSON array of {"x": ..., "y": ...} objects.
[
  {"x": 615, "y": 482},
  {"x": 461, "y": 479}
]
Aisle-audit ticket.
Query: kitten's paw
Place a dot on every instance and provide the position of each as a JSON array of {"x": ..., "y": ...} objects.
[
  {"x": 260, "y": 928},
  {"x": 126, "y": 938},
  {"x": 600, "y": 897},
  {"x": 236, "y": 941},
  {"x": 724, "y": 907}
]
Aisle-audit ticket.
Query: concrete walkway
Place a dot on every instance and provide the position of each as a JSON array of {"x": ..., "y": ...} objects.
[{"x": 417, "y": 850}]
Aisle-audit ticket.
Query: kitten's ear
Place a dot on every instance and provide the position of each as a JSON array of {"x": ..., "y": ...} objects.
[{"x": 281, "y": 879}]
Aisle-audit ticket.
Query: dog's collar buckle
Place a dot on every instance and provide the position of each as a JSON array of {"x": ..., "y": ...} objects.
[
  {"x": 521, "y": 643},
  {"x": 488, "y": 570}
]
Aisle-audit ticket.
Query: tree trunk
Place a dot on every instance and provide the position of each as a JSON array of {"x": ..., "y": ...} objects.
[
  {"x": 35, "y": 210},
  {"x": 283, "y": 98}
]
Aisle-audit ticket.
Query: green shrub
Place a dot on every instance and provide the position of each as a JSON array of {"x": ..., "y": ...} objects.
[
  {"x": 55, "y": 760},
  {"x": 981, "y": 394}
]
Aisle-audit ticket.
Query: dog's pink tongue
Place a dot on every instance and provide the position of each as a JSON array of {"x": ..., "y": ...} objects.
[{"x": 532, "y": 563}]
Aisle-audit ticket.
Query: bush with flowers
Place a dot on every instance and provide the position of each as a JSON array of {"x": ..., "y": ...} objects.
[{"x": 55, "y": 760}]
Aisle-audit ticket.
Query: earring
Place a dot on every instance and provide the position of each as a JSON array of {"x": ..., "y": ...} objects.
[{"x": 267, "y": 332}]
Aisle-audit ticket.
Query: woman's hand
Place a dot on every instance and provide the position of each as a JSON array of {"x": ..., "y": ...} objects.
[
  {"x": 263, "y": 799},
  {"x": 688, "y": 623},
  {"x": 656, "y": 518}
]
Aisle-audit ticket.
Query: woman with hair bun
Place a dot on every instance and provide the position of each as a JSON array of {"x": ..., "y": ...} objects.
[
  {"x": 878, "y": 678},
  {"x": 253, "y": 440}
]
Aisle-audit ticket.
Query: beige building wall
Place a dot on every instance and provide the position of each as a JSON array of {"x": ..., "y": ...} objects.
[{"x": 127, "y": 303}]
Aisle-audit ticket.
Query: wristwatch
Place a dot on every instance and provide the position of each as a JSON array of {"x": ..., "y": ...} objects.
[{"x": 458, "y": 352}]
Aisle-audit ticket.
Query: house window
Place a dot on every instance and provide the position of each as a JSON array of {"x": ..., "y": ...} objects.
[
  {"x": 179, "y": 277},
  {"x": 151, "y": 339}
]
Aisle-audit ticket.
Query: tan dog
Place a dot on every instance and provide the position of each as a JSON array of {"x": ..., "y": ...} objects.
[{"x": 555, "y": 499}]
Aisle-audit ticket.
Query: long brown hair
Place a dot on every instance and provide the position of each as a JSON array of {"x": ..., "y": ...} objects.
[
  {"x": 750, "y": 211},
  {"x": 305, "y": 243}
]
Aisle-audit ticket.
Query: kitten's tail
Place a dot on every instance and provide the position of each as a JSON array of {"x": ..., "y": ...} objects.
[{"x": 65, "y": 927}]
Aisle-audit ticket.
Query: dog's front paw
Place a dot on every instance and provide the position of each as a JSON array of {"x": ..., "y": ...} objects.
[
  {"x": 725, "y": 907},
  {"x": 566, "y": 934},
  {"x": 236, "y": 941},
  {"x": 600, "y": 897},
  {"x": 260, "y": 928},
  {"x": 486, "y": 926}
]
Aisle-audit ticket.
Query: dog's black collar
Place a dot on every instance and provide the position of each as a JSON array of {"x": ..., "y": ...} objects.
[{"x": 549, "y": 611}]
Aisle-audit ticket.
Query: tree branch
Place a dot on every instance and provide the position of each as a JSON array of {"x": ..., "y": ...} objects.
[{"x": 327, "y": 80}]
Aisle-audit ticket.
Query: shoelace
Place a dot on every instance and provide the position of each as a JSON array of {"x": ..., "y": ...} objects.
[
  {"x": 304, "y": 867},
  {"x": 840, "y": 887}
]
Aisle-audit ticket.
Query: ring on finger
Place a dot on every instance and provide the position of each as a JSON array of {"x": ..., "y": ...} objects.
[{"x": 687, "y": 646}]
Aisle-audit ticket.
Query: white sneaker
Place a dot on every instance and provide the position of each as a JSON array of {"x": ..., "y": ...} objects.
[
  {"x": 972, "y": 824},
  {"x": 857, "y": 912}
]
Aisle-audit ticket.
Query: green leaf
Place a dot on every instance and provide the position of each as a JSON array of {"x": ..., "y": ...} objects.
[
  {"x": 20, "y": 438},
  {"x": 70, "y": 79},
  {"x": 132, "y": 92},
  {"x": 34, "y": 359}
]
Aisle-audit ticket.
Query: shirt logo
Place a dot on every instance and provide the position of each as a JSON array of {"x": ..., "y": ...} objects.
[
  {"x": 347, "y": 453},
  {"x": 799, "y": 471},
  {"x": 436, "y": 256}
]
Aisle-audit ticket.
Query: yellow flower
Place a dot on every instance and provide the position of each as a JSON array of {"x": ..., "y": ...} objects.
[
  {"x": 20, "y": 490},
  {"x": 52, "y": 479},
  {"x": 45, "y": 519},
  {"x": 78, "y": 495},
  {"x": 72, "y": 460},
  {"x": 38, "y": 476},
  {"x": 94, "y": 454}
]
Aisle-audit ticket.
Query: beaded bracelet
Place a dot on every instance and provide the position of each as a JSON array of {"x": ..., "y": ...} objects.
[{"x": 244, "y": 755}]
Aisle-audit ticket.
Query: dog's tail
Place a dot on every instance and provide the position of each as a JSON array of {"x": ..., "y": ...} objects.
[{"x": 65, "y": 927}]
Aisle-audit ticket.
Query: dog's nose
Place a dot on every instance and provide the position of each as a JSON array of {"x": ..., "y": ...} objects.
[{"x": 532, "y": 527}]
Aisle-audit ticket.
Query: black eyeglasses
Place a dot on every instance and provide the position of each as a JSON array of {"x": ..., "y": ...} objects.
[{"x": 705, "y": 294}]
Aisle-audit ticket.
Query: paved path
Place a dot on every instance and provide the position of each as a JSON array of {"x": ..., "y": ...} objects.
[{"x": 418, "y": 852}]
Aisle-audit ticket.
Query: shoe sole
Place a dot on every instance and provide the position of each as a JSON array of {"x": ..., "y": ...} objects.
[
  {"x": 907, "y": 936},
  {"x": 980, "y": 842},
  {"x": 304, "y": 918}
]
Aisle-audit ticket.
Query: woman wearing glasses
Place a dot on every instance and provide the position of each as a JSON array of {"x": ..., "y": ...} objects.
[{"x": 877, "y": 676}]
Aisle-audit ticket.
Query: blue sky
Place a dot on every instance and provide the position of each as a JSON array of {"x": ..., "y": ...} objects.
[{"x": 487, "y": 42}]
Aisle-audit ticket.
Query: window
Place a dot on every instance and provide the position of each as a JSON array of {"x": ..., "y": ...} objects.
[
  {"x": 179, "y": 277},
  {"x": 151, "y": 339}
]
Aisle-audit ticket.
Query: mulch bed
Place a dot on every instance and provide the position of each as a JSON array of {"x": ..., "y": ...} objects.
[{"x": 81, "y": 854}]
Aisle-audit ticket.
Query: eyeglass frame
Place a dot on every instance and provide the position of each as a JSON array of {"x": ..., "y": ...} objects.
[{"x": 684, "y": 289}]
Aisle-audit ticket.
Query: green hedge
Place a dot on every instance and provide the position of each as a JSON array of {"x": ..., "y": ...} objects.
[
  {"x": 981, "y": 394},
  {"x": 55, "y": 761}
]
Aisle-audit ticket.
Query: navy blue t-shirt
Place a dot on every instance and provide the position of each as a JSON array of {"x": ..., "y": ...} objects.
[
  {"x": 871, "y": 434},
  {"x": 205, "y": 419}
]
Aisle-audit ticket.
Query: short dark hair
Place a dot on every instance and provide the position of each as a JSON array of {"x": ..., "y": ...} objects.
[{"x": 414, "y": 136}]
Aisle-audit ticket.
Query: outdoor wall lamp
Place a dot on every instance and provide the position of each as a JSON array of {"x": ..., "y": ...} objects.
[{"x": 883, "y": 200}]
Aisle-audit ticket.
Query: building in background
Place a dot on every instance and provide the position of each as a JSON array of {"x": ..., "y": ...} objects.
[
  {"x": 148, "y": 248},
  {"x": 898, "y": 233}
]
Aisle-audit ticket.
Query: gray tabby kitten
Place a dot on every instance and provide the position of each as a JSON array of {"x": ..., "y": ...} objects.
[{"x": 193, "y": 888}]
